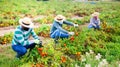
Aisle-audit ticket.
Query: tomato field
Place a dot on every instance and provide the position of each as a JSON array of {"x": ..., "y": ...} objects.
[{"x": 87, "y": 48}]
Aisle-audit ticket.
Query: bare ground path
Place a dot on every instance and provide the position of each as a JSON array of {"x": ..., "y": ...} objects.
[{"x": 6, "y": 30}]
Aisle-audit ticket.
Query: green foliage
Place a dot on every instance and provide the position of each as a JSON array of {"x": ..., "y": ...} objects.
[
  {"x": 69, "y": 51},
  {"x": 33, "y": 8}
]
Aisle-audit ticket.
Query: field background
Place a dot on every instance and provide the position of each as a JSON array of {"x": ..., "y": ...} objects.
[{"x": 70, "y": 51}]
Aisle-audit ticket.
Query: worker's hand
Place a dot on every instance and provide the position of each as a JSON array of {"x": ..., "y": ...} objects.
[
  {"x": 75, "y": 25},
  {"x": 40, "y": 44},
  {"x": 95, "y": 26},
  {"x": 37, "y": 41},
  {"x": 71, "y": 33}
]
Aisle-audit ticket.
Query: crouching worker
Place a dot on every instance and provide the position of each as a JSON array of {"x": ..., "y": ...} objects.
[
  {"x": 57, "y": 31},
  {"x": 20, "y": 42},
  {"x": 94, "y": 21}
]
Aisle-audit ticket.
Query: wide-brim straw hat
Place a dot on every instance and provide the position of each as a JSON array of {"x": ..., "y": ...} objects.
[
  {"x": 95, "y": 14},
  {"x": 26, "y": 22},
  {"x": 59, "y": 18}
]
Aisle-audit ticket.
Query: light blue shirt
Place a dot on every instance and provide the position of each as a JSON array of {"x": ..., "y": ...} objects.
[{"x": 58, "y": 26}]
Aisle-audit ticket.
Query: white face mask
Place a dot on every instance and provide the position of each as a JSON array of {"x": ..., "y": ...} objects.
[{"x": 61, "y": 22}]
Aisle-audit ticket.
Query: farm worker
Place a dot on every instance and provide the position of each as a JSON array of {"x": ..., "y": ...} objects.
[
  {"x": 20, "y": 42},
  {"x": 57, "y": 31},
  {"x": 94, "y": 21}
]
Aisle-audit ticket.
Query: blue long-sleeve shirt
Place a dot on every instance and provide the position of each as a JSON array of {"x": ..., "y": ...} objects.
[
  {"x": 21, "y": 37},
  {"x": 56, "y": 25}
]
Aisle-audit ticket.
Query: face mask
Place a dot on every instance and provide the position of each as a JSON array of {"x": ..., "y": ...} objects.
[
  {"x": 26, "y": 29},
  {"x": 95, "y": 17},
  {"x": 61, "y": 22}
]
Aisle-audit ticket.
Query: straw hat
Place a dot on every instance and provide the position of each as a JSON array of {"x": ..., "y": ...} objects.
[
  {"x": 26, "y": 22},
  {"x": 59, "y": 18},
  {"x": 95, "y": 14}
]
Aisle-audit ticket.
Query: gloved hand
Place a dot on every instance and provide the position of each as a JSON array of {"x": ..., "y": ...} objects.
[
  {"x": 37, "y": 41},
  {"x": 75, "y": 25},
  {"x": 94, "y": 25},
  {"x": 71, "y": 33}
]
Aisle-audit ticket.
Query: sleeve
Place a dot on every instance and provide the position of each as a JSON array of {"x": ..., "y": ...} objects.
[
  {"x": 34, "y": 35},
  {"x": 99, "y": 22},
  {"x": 59, "y": 27},
  {"x": 91, "y": 22},
  {"x": 20, "y": 38},
  {"x": 68, "y": 23}
]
